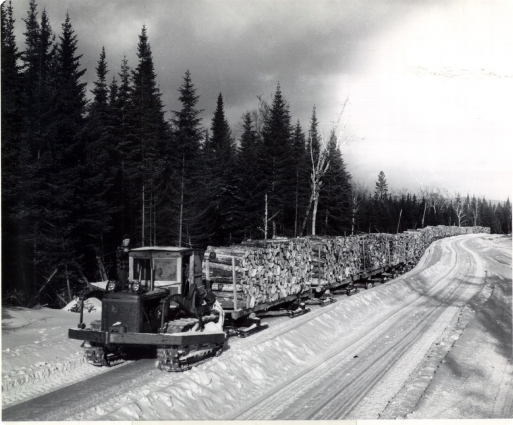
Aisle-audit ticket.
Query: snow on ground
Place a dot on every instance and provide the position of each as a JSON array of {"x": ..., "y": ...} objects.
[
  {"x": 475, "y": 380},
  {"x": 470, "y": 376},
  {"x": 36, "y": 350}
]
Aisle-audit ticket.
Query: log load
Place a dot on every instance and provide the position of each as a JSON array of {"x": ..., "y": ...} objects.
[
  {"x": 265, "y": 270},
  {"x": 335, "y": 259}
]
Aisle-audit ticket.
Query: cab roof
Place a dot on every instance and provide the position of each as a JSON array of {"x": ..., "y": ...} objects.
[{"x": 162, "y": 248}]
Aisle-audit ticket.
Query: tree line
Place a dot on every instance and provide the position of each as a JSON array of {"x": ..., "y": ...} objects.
[{"x": 78, "y": 174}]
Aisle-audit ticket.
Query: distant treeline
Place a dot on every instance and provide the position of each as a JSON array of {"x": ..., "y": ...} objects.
[{"x": 77, "y": 175}]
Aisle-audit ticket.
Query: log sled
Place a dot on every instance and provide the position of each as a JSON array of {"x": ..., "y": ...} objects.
[{"x": 258, "y": 275}]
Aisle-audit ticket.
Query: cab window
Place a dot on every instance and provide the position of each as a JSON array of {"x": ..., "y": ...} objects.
[
  {"x": 166, "y": 271},
  {"x": 142, "y": 270}
]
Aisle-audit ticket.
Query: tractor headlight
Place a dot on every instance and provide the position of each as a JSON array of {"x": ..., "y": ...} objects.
[
  {"x": 136, "y": 286},
  {"x": 111, "y": 286}
]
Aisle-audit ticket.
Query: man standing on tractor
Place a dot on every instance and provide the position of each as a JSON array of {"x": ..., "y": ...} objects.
[{"x": 122, "y": 262}]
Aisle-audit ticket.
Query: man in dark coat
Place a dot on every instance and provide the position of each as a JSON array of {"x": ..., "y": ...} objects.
[{"x": 122, "y": 262}]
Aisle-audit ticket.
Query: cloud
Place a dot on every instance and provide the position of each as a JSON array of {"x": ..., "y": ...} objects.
[{"x": 424, "y": 78}]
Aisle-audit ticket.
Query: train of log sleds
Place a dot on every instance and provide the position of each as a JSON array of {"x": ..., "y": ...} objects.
[{"x": 182, "y": 304}]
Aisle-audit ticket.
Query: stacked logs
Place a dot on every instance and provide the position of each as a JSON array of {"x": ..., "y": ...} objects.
[
  {"x": 265, "y": 271},
  {"x": 335, "y": 259},
  {"x": 269, "y": 270},
  {"x": 339, "y": 259}
]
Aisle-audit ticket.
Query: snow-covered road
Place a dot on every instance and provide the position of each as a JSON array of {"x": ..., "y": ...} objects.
[{"x": 419, "y": 346}]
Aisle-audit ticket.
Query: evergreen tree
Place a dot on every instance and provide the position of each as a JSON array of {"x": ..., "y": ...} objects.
[
  {"x": 188, "y": 134},
  {"x": 58, "y": 246},
  {"x": 334, "y": 199},
  {"x": 278, "y": 165},
  {"x": 31, "y": 57},
  {"x": 11, "y": 111},
  {"x": 301, "y": 178},
  {"x": 14, "y": 157},
  {"x": 122, "y": 111},
  {"x": 249, "y": 178},
  {"x": 506, "y": 217},
  {"x": 314, "y": 138},
  {"x": 147, "y": 144},
  {"x": 381, "y": 189},
  {"x": 221, "y": 191},
  {"x": 99, "y": 172}
]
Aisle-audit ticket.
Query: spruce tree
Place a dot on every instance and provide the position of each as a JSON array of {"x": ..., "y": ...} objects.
[
  {"x": 221, "y": 190},
  {"x": 250, "y": 178},
  {"x": 278, "y": 166},
  {"x": 147, "y": 145},
  {"x": 314, "y": 138},
  {"x": 14, "y": 157},
  {"x": 381, "y": 190},
  {"x": 58, "y": 247},
  {"x": 334, "y": 199},
  {"x": 99, "y": 171},
  {"x": 185, "y": 156},
  {"x": 122, "y": 111},
  {"x": 30, "y": 57},
  {"x": 12, "y": 113},
  {"x": 302, "y": 162}
]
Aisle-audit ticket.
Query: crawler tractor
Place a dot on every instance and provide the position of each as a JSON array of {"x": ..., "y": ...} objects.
[{"x": 165, "y": 308}]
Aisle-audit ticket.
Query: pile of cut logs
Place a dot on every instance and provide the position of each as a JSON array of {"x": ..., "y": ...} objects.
[
  {"x": 265, "y": 270},
  {"x": 335, "y": 259}
]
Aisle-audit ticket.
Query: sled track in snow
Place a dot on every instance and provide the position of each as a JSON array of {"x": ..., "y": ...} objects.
[{"x": 314, "y": 394}]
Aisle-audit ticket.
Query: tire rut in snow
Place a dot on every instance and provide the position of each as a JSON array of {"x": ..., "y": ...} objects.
[
  {"x": 405, "y": 401},
  {"x": 61, "y": 403},
  {"x": 272, "y": 404}
]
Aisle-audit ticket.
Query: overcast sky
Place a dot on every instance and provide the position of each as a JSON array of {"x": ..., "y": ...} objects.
[{"x": 429, "y": 83}]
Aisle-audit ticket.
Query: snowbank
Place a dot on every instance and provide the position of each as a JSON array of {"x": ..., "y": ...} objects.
[
  {"x": 90, "y": 305},
  {"x": 36, "y": 352}
]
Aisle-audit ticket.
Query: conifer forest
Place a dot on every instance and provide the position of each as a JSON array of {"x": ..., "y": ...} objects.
[{"x": 80, "y": 170}]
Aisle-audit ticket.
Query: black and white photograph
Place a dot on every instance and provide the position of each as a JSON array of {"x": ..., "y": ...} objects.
[{"x": 258, "y": 210}]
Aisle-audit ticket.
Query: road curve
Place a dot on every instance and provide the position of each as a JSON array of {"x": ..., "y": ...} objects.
[{"x": 360, "y": 378}]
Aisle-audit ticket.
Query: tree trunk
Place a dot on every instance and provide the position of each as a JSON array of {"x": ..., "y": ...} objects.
[
  {"x": 142, "y": 227},
  {"x": 265, "y": 218},
  {"x": 181, "y": 213},
  {"x": 314, "y": 212},
  {"x": 297, "y": 189},
  {"x": 67, "y": 283},
  {"x": 101, "y": 268},
  {"x": 307, "y": 214},
  {"x": 31, "y": 303}
]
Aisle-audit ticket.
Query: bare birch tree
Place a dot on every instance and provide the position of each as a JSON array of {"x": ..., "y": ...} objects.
[
  {"x": 319, "y": 169},
  {"x": 459, "y": 208},
  {"x": 320, "y": 166}
]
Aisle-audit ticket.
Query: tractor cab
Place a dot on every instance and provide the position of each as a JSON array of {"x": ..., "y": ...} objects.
[
  {"x": 155, "y": 275},
  {"x": 173, "y": 269}
]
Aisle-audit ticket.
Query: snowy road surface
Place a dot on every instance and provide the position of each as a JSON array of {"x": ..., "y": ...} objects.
[{"x": 434, "y": 343}]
